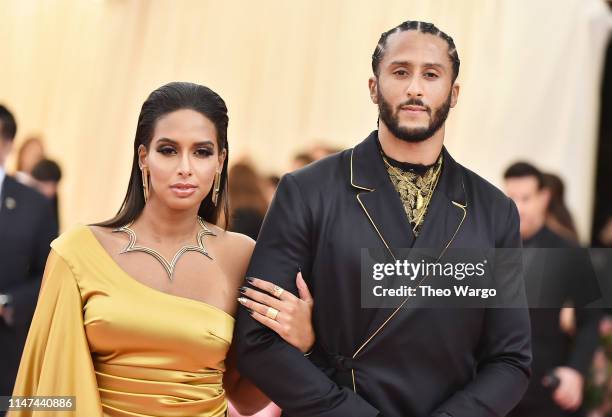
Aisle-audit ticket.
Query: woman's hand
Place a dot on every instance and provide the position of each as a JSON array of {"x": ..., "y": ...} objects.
[{"x": 281, "y": 311}]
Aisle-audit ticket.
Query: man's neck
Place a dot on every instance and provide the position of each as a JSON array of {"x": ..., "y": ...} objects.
[
  {"x": 421, "y": 153},
  {"x": 534, "y": 232}
]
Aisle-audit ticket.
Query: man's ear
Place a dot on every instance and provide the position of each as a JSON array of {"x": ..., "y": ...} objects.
[
  {"x": 545, "y": 196},
  {"x": 455, "y": 94},
  {"x": 142, "y": 156},
  {"x": 373, "y": 87}
]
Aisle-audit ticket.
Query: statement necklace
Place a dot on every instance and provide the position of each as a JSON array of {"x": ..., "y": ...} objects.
[{"x": 168, "y": 266}]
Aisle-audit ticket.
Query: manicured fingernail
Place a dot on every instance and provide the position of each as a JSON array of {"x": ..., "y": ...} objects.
[
  {"x": 299, "y": 268},
  {"x": 250, "y": 280},
  {"x": 242, "y": 290},
  {"x": 242, "y": 300}
]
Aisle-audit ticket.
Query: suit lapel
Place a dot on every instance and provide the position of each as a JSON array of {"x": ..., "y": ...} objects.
[
  {"x": 8, "y": 203},
  {"x": 383, "y": 208},
  {"x": 378, "y": 198}
]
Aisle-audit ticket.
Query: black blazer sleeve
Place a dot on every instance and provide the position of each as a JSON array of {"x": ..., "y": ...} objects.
[
  {"x": 504, "y": 353},
  {"x": 25, "y": 294},
  {"x": 277, "y": 368},
  {"x": 586, "y": 340}
]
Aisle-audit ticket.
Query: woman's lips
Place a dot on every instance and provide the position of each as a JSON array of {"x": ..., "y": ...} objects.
[{"x": 183, "y": 190}]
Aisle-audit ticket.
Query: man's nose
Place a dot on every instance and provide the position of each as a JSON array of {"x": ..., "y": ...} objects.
[{"x": 415, "y": 87}]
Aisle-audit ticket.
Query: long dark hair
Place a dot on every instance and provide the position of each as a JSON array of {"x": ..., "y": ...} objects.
[
  {"x": 557, "y": 207},
  {"x": 167, "y": 99}
]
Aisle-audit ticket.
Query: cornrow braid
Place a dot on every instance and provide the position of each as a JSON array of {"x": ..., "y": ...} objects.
[{"x": 422, "y": 27}]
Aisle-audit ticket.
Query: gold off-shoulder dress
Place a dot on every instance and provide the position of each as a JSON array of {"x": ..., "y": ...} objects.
[{"x": 120, "y": 347}]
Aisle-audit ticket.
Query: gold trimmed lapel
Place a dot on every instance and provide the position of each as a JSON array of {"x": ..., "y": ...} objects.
[
  {"x": 378, "y": 198},
  {"x": 382, "y": 207}
]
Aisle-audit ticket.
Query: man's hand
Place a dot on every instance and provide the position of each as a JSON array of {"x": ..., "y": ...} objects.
[{"x": 568, "y": 394}]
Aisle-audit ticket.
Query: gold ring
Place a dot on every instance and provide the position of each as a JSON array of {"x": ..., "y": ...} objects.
[
  {"x": 271, "y": 313},
  {"x": 278, "y": 291}
]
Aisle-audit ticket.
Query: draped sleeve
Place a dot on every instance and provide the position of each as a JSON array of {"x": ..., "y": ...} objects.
[{"x": 56, "y": 359}]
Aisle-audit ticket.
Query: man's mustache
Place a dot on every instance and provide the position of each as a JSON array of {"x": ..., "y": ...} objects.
[{"x": 415, "y": 102}]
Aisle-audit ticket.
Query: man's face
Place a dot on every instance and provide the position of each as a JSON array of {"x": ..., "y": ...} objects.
[
  {"x": 530, "y": 201},
  {"x": 414, "y": 89},
  {"x": 5, "y": 149}
]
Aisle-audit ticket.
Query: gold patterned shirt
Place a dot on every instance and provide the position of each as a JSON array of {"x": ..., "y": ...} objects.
[{"x": 414, "y": 188}]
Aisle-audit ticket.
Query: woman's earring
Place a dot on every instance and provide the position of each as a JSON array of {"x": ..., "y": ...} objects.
[
  {"x": 216, "y": 188},
  {"x": 145, "y": 183}
]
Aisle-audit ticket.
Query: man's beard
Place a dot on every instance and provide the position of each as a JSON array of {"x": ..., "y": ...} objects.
[{"x": 417, "y": 134}]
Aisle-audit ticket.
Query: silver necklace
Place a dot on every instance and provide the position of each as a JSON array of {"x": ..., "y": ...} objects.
[{"x": 168, "y": 266}]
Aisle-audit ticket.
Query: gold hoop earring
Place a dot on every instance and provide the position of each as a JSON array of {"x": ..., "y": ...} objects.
[
  {"x": 145, "y": 183},
  {"x": 216, "y": 188}
]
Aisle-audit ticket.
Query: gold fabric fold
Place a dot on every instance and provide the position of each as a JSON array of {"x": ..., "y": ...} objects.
[{"x": 121, "y": 347}]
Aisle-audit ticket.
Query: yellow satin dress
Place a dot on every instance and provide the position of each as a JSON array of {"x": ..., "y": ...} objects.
[{"x": 120, "y": 347}]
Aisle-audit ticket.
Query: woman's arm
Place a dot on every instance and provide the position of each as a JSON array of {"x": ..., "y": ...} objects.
[
  {"x": 293, "y": 322},
  {"x": 246, "y": 398}
]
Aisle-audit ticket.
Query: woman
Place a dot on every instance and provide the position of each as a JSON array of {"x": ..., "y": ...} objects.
[
  {"x": 558, "y": 216},
  {"x": 126, "y": 330},
  {"x": 30, "y": 153}
]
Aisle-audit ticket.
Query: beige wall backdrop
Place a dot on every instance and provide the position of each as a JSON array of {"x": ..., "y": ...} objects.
[{"x": 292, "y": 72}]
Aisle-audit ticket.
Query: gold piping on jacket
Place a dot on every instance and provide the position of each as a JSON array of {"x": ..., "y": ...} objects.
[
  {"x": 463, "y": 207},
  {"x": 352, "y": 183},
  {"x": 376, "y": 228}
]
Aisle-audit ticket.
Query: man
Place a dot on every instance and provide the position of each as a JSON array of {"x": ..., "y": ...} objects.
[
  {"x": 27, "y": 226},
  {"x": 555, "y": 274},
  {"x": 399, "y": 188}
]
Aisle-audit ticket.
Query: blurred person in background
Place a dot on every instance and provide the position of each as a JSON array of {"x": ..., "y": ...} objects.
[
  {"x": 46, "y": 176},
  {"x": 321, "y": 150},
  {"x": 561, "y": 361},
  {"x": 269, "y": 185},
  {"x": 27, "y": 227},
  {"x": 300, "y": 161},
  {"x": 558, "y": 217},
  {"x": 29, "y": 154},
  {"x": 605, "y": 234},
  {"x": 248, "y": 203}
]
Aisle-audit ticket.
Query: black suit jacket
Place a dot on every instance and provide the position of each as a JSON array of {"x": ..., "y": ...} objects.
[
  {"x": 406, "y": 362},
  {"x": 27, "y": 227}
]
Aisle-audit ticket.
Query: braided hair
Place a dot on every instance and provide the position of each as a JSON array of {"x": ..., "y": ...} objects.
[{"x": 422, "y": 27}]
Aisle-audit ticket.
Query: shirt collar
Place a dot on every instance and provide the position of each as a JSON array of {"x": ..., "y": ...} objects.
[{"x": 2, "y": 175}]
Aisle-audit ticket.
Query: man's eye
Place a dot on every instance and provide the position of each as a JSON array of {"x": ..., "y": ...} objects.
[
  {"x": 431, "y": 75},
  {"x": 401, "y": 72}
]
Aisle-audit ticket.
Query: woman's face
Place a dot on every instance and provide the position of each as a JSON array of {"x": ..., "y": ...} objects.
[
  {"x": 182, "y": 159},
  {"x": 31, "y": 155}
]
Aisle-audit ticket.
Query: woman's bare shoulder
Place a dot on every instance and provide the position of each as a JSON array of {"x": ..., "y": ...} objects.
[{"x": 234, "y": 250}]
